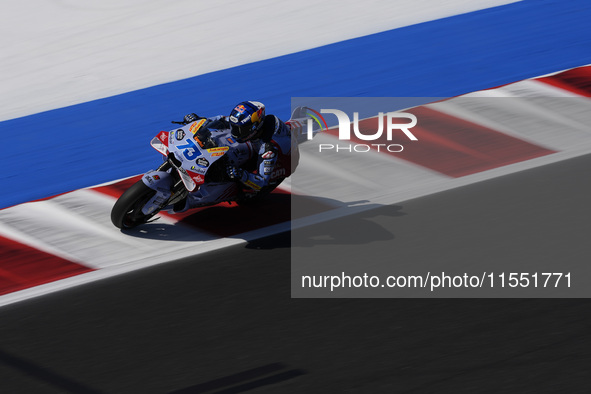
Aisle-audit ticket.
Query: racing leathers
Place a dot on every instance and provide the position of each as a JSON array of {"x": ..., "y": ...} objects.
[
  {"x": 273, "y": 147},
  {"x": 257, "y": 166}
]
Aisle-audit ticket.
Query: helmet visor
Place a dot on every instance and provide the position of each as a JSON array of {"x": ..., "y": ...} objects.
[{"x": 242, "y": 133}]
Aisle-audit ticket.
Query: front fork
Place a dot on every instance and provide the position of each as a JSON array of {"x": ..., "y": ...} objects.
[{"x": 168, "y": 186}]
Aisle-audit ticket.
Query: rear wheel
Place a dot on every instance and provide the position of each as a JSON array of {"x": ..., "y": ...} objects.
[{"x": 127, "y": 211}]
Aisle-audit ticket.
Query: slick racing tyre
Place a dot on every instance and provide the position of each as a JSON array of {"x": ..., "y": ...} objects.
[{"x": 127, "y": 211}]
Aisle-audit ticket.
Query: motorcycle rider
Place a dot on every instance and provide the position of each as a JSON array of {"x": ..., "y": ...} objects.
[{"x": 265, "y": 139}]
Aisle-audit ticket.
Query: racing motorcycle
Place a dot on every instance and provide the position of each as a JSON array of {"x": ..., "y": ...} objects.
[{"x": 195, "y": 160}]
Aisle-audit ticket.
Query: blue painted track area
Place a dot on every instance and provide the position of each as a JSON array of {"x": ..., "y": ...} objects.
[{"x": 69, "y": 148}]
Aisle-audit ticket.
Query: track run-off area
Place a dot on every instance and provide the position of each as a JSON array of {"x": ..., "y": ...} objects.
[{"x": 68, "y": 240}]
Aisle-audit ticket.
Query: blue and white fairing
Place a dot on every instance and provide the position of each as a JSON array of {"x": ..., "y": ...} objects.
[{"x": 193, "y": 155}]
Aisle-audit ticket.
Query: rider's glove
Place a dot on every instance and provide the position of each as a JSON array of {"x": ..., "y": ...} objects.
[
  {"x": 236, "y": 173},
  {"x": 190, "y": 118}
]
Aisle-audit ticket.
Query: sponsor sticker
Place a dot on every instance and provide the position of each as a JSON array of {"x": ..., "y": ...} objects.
[
  {"x": 198, "y": 170},
  {"x": 278, "y": 173},
  {"x": 196, "y": 126},
  {"x": 252, "y": 185},
  {"x": 268, "y": 155},
  {"x": 202, "y": 162},
  {"x": 198, "y": 178},
  {"x": 218, "y": 149},
  {"x": 180, "y": 134},
  {"x": 199, "y": 141}
]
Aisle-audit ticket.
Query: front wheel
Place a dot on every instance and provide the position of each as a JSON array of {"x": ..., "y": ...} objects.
[{"x": 127, "y": 211}]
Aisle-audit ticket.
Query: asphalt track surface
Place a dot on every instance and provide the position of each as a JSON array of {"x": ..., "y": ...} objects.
[{"x": 225, "y": 323}]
